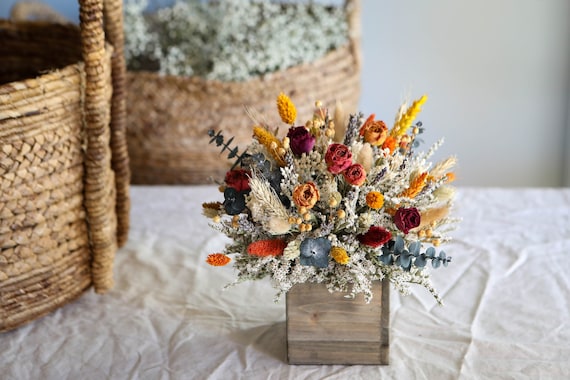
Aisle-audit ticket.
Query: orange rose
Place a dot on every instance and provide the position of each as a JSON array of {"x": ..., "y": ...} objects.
[
  {"x": 306, "y": 195},
  {"x": 374, "y": 131}
]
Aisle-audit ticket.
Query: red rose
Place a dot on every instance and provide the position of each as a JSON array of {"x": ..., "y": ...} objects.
[
  {"x": 355, "y": 175},
  {"x": 375, "y": 237},
  {"x": 407, "y": 218},
  {"x": 238, "y": 179},
  {"x": 338, "y": 158}
]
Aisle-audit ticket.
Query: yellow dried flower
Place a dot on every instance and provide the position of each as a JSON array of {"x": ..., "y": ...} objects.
[
  {"x": 375, "y": 200},
  {"x": 269, "y": 141},
  {"x": 286, "y": 109},
  {"x": 339, "y": 255},
  {"x": 405, "y": 120}
]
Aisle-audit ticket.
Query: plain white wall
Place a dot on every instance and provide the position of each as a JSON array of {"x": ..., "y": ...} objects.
[
  {"x": 567, "y": 161},
  {"x": 497, "y": 76},
  {"x": 497, "y": 73}
]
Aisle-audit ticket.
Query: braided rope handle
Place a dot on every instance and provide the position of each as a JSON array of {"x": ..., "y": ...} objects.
[
  {"x": 353, "y": 11},
  {"x": 113, "y": 19},
  {"x": 101, "y": 139}
]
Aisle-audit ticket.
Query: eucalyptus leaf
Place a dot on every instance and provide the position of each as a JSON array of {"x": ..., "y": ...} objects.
[
  {"x": 420, "y": 261},
  {"x": 399, "y": 244},
  {"x": 405, "y": 260},
  {"x": 415, "y": 248},
  {"x": 436, "y": 263}
]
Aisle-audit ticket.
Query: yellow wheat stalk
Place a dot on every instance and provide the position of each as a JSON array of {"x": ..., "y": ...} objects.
[
  {"x": 406, "y": 118},
  {"x": 270, "y": 142}
]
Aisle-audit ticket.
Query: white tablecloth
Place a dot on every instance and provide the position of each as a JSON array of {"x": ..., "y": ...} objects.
[{"x": 506, "y": 313}]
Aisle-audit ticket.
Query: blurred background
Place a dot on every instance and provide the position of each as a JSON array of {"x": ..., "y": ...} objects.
[{"x": 497, "y": 74}]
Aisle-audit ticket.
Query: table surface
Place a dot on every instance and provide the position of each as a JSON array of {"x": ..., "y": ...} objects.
[{"x": 506, "y": 313}]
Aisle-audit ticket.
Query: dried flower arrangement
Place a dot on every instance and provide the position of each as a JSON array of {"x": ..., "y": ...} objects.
[
  {"x": 344, "y": 212},
  {"x": 230, "y": 40}
]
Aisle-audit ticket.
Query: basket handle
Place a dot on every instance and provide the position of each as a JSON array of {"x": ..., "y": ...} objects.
[
  {"x": 113, "y": 18},
  {"x": 354, "y": 29},
  {"x": 101, "y": 140}
]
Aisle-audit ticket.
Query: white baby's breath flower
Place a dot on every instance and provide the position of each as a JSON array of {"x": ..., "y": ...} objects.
[
  {"x": 292, "y": 250},
  {"x": 230, "y": 40},
  {"x": 365, "y": 220}
]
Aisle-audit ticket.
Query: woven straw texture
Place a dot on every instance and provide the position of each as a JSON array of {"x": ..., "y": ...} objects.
[
  {"x": 64, "y": 201},
  {"x": 169, "y": 116}
]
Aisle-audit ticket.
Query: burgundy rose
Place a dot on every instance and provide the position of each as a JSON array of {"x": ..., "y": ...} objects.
[
  {"x": 355, "y": 175},
  {"x": 238, "y": 179},
  {"x": 338, "y": 158},
  {"x": 407, "y": 218},
  {"x": 300, "y": 140},
  {"x": 375, "y": 237}
]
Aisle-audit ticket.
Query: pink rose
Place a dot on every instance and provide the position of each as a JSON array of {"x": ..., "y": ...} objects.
[
  {"x": 407, "y": 218},
  {"x": 355, "y": 175},
  {"x": 338, "y": 158}
]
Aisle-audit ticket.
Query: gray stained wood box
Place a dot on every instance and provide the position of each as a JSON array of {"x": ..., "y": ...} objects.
[{"x": 328, "y": 328}]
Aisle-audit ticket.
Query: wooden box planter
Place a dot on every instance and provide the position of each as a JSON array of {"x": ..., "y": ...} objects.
[{"x": 327, "y": 328}]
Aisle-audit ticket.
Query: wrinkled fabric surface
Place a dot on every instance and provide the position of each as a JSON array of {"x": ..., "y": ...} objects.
[{"x": 506, "y": 313}]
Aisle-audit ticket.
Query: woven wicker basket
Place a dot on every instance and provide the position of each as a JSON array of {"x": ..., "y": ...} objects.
[
  {"x": 64, "y": 176},
  {"x": 169, "y": 116}
]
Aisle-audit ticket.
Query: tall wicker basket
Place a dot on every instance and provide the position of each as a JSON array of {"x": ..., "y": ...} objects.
[
  {"x": 169, "y": 116},
  {"x": 64, "y": 175}
]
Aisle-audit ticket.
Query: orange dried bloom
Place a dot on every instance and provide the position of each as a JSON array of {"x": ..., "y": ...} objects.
[
  {"x": 306, "y": 195},
  {"x": 450, "y": 177},
  {"x": 416, "y": 186},
  {"x": 269, "y": 247},
  {"x": 374, "y": 131},
  {"x": 366, "y": 123},
  {"x": 286, "y": 109},
  {"x": 218, "y": 259},
  {"x": 375, "y": 200},
  {"x": 390, "y": 143}
]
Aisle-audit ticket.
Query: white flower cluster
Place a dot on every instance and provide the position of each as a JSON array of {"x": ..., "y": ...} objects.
[{"x": 229, "y": 40}]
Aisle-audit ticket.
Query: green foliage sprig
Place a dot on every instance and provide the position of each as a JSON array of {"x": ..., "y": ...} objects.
[
  {"x": 395, "y": 252},
  {"x": 218, "y": 139}
]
